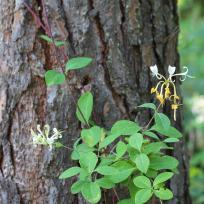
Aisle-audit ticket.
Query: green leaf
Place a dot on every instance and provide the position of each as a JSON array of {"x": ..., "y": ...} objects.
[
  {"x": 80, "y": 150},
  {"x": 76, "y": 187},
  {"x": 151, "y": 134},
  {"x": 171, "y": 140},
  {"x": 70, "y": 172},
  {"x": 78, "y": 63},
  {"x": 91, "y": 192},
  {"x": 84, "y": 175},
  {"x": 53, "y": 77},
  {"x": 58, "y": 145},
  {"x": 162, "y": 121},
  {"x": 49, "y": 40},
  {"x": 106, "y": 170},
  {"x": 85, "y": 104},
  {"x": 106, "y": 160},
  {"x": 142, "y": 196},
  {"x": 124, "y": 171},
  {"x": 142, "y": 182},
  {"x": 91, "y": 136},
  {"x": 164, "y": 194},
  {"x": 142, "y": 162},
  {"x": 126, "y": 201},
  {"x": 125, "y": 127},
  {"x": 88, "y": 161},
  {"x": 165, "y": 162},
  {"x": 108, "y": 140},
  {"x": 170, "y": 132},
  {"x": 148, "y": 105},
  {"x": 154, "y": 147},
  {"x": 151, "y": 173},
  {"x": 136, "y": 141},
  {"x": 121, "y": 148},
  {"x": 162, "y": 178},
  {"x": 105, "y": 183}
]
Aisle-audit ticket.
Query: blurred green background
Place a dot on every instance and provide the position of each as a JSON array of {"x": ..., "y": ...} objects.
[{"x": 191, "y": 47}]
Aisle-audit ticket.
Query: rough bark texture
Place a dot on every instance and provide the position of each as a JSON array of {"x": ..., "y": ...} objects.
[{"x": 124, "y": 37}]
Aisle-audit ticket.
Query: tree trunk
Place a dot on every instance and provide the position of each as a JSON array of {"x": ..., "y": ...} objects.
[{"x": 124, "y": 37}]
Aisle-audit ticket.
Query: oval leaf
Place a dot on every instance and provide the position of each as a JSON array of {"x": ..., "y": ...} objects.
[
  {"x": 78, "y": 63},
  {"x": 106, "y": 170},
  {"x": 142, "y": 196},
  {"x": 91, "y": 192},
  {"x": 171, "y": 140},
  {"x": 91, "y": 136},
  {"x": 88, "y": 161},
  {"x": 70, "y": 172},
  {"x": 142, "y": 162},
  {"x": 162, "y": 178},
  {"x": 142, "y": 182},
  {"x": 105, "y": 183},
  {"x": 162, "y": 121},
  {"x": 85, "y": 104},
  {"x": 165, "y": 162},
  {"x": 164, "y": 194},
  {"x": 125, "y": 127},
  {"x": 108, "y": 140},
  {"x": 76, "y": 187},
  {"x": 148, "y": 105},
  {"x": 121, "y": 148},
  {"x": 151, "y": 134},
  {"x": 49, "y": 40},
  {"x": 53, "y": 77},
  {"x": 136, "y": 141}
]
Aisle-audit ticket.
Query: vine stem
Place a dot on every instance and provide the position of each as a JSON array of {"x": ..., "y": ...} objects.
[
  {"x": 116, "y": 194},
  {"x": 47, "y": 28},
  {"x": 150, "y": 121}
]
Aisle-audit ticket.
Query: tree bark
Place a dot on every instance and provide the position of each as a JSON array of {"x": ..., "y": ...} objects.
[{"x": 124, "y": 37}]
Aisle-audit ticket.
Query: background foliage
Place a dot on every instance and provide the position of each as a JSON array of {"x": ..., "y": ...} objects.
[{"x": 191, "y": 48}]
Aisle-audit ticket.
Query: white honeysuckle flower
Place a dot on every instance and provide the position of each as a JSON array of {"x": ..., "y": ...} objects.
[
  {"x": 57, "y": 133},
  {"x": 171, "y": 70},
  {"x": 183, "y": 75},
  {"x": 154, "y": 70},
  {"x": 43, "y": 137}
]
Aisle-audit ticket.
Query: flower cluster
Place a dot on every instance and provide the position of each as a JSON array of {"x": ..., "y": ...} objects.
[
  {"x": 43, "y": 137},
  {"x": 165, "y": 88}
]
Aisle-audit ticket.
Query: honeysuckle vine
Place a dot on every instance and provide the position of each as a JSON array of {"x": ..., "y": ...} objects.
[{"x": 126, "y": 154}]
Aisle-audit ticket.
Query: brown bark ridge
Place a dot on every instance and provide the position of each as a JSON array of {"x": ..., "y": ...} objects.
[{"x": 124, "y": 37}]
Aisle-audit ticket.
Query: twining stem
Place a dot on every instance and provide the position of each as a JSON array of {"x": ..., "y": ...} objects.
[
  {"x": 116, "y": 194},
  {"x": 47, "y": 28},
  {"x": 146, "y": 127}
]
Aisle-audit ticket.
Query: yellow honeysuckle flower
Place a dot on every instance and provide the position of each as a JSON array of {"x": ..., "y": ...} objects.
[
  {"x": 160, "y": 98},
  {"x": 167, "y": 92},
  {"x": 174, "y": 107},
  {"x": 153, "y": 90}
]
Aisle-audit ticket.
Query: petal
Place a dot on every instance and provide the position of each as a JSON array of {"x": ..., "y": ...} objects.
[
  {"x": 154, "y": 69},
  {"x": 171, "y": 70},
  {"x": 47, "y": 130}
]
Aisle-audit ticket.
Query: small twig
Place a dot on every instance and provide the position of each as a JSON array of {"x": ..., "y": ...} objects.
[
  {"x": 160, "y": 201},
  {"x": 116, "y": 194},
  {"x": 36, "y": 18},
  {"x": 146, "y": 127},
  {"x": 104, "y": 195}
]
